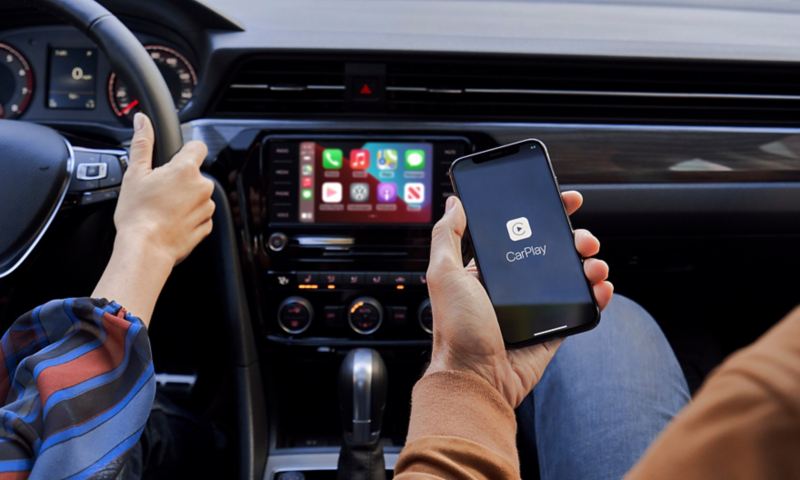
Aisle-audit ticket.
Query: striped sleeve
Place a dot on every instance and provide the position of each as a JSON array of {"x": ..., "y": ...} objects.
[{"x": 77, "y": 381}]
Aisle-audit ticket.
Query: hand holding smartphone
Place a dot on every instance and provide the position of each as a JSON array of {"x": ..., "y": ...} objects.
[{"x": 523, "y": 243}]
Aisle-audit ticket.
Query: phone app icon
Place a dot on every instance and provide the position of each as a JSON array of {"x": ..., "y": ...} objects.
[
  {"x": 332, "y": 192},
  {"x": 332, "y": 159},
  {"x": 308, "y": 169},
  {"x": 387, "y": 192},
  {"x": 387, "y": 159},
  {"x": 359, "y": 159},
  {"x": 415, "y": 159},
  {"x": 518, "y": 229},
  {"x": 359, "y": 192},
  {"x": 306, "y": 194},
  {"x": 306, "y": 182},
  {"x": 414, "y": 193}
]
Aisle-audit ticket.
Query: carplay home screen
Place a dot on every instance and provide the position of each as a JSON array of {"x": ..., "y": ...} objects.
[{"x": 365, "y": 182}]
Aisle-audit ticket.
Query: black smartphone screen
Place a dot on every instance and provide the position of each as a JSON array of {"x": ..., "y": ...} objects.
[{"x": 523, "y": 243}]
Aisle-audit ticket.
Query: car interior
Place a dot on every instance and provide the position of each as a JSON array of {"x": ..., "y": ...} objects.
[{"x": 331, "y": 127}]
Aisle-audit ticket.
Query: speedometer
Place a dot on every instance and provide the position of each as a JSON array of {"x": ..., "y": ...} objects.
[
  {"x": 16, "y": 82},
  {"x": 177, "y": 72}
]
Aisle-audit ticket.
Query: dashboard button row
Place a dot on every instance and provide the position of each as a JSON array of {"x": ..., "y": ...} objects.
[{"x": 348, "y": 279}]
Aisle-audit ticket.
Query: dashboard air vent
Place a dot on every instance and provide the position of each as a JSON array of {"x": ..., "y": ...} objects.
[
  {"x": 575, "y": 89},
  {"x": 285, "y": 85}
]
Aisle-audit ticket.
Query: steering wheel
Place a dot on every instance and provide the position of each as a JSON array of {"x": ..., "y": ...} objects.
[{"x": 38, "y": 164}]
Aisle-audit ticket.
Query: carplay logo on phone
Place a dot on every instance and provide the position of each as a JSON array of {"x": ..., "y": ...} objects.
[
  {"x": 518, "y": 229},
  {"x": 529, "y": 251}
]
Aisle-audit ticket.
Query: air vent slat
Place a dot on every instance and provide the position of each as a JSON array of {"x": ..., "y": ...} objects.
[{"x": 534, "y": 89}]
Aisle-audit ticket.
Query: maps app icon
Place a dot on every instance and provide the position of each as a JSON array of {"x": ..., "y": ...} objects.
[{"x": 387, "y": 159}]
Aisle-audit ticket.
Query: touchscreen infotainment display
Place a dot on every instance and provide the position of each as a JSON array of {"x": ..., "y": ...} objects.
[{"x": 368, "y": 182}]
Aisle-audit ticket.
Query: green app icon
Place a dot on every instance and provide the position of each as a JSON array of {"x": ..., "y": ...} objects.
[
  {"x": 332, "y": 159},
  {"x": 306, "y": 194},
  {"x": 415, "y": 159}
]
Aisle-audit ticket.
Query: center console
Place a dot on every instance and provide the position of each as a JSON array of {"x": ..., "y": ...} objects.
[
  {"x": 346, "y": 230},
  {"x": 339, "y": 229}
]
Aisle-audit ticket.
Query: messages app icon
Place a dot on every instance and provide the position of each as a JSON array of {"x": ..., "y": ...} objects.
[{"x": 415, "y": 159}]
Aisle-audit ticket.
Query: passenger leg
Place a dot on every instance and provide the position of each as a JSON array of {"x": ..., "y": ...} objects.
[{"x": 604, "y": 398}]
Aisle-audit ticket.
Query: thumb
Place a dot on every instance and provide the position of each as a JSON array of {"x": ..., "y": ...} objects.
[
  {"x": 446, "y": 241},
  {"x": 142, "y": 143}
]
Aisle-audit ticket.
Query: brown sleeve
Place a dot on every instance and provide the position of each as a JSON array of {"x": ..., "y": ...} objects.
[
  {"x": 461, "y": 427},
  {"x": 744, "y": 422}
]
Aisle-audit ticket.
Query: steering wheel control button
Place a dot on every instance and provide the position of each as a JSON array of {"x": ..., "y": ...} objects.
[
  {"x": 365, "y": 315},
  {"x": 89, "y": 198},
  {"x": 277, "y": 241},
  {"x": 113, "y": 177},
  {"x": 91, "y": 171},
  {"x": 82, "y": 181},
  {"x": 295, "y": 315},
  {"x": 425, "y": 316}
]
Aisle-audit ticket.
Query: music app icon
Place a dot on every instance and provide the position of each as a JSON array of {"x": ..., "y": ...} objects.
[{"x": 359, "y": 159}]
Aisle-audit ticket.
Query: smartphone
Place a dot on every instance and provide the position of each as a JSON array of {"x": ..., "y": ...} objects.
[{"x": 523, "y": 243}]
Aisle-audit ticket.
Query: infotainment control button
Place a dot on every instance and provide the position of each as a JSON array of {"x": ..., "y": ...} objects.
[
  {"x": 277, "y": 241},
  {"x": 282, "y": 149},
  {"x": 281, "y": 214}
]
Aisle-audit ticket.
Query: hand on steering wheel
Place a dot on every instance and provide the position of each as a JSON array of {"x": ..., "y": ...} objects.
[
  {"x": 162, "y": 214},
  {"x": 169, "y": 208}
]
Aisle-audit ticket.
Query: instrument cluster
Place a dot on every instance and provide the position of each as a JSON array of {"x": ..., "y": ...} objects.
[{"x": 57, "y": 74}]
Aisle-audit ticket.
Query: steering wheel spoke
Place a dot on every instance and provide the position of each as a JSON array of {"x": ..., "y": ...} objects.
[{"x": 97, "y": 175}]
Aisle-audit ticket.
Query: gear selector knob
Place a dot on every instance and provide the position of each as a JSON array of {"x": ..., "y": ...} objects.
[
  {"x": 363, "y": 383},
  {"x": 362, "y": 395}
]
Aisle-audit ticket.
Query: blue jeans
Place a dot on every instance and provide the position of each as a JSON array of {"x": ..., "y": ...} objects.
[{"x": 603, "y": 399}]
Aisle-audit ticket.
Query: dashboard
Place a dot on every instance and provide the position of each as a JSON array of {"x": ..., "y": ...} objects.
[
  {"x": 331, "y": 130},
  {"x": 55, "y": 74}
]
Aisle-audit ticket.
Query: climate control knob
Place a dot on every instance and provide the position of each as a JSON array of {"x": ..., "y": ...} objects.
[
  {"x": 425, "y": 316},
  {"x": 365, "y": 315},
  {"x": 295, "y": 315}
]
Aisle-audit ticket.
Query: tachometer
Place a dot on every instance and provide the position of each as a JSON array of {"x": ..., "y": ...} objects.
[
  {"x": 177, "y": 72},
  {"x": 16, "y": 82}
]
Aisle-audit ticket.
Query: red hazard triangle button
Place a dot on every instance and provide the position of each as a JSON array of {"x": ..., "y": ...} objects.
[{"x": 365, "y": 90}]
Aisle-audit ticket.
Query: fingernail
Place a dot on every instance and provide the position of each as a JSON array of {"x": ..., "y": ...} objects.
[
  {"x": 451, "y": 202},
  {"x": 138, "y": 121}
]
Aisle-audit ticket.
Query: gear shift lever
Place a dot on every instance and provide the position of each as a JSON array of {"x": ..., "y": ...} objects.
[{"x": 362, "y": 398}]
